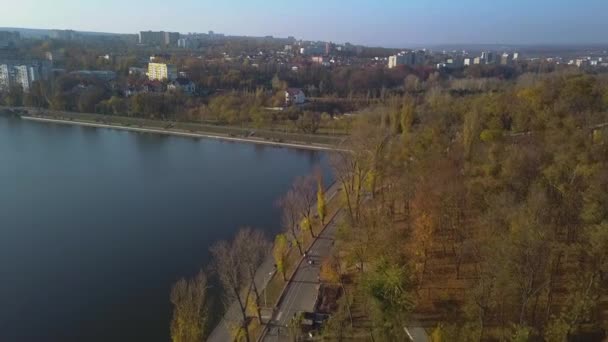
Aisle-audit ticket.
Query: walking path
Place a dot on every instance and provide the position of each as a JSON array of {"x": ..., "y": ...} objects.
[
  {"x": 232, "y": 317},
  {"x": 185, "y": 134}
]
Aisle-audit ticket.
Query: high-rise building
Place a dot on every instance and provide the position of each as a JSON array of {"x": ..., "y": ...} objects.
[
  {"x": 7, "y": 38},
  {"x": 23, "y": 74},
  {"x": 184, "y": 43},
  {"x": 488, "y": 57},
  {"x": 329, "y": 48},
  {"x": 160, "y": 38},
  {"x": 170, "y": 38},
  {"x": 63, "y": 34},
  {"x": 161, "y": 71},
  {"x": 407, "y": 58},
  {"x": 150, "y": 38},
  {"x": 398, "y": 59},
  {"x": 5, "y": 78}
]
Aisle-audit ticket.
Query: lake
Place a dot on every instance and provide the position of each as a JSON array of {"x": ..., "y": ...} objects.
[{"x": 96, "y": 224}]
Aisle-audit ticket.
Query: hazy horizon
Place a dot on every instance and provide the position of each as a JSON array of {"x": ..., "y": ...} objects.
[{"x": 381, "y": 23}]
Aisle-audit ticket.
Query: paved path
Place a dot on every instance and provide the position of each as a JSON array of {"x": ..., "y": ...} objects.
[
  {"x": 301, "y": 293},
  {"x": 221, "y": 333},
  {"x": 186, "y": 134},
  {"x": 417, "y": 333}
]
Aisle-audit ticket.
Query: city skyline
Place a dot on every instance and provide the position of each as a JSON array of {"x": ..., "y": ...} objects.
[{"x": 361, "y": 22}]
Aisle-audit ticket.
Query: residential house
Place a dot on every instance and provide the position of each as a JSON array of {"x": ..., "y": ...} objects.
[
  {"x": 153, "y": 86},
  {"x": 294, "y": 96},
  {"x": 182, "y": 84}
]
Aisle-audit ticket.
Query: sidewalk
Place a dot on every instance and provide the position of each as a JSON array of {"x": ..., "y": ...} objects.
[{"x": 232, "y": 317}]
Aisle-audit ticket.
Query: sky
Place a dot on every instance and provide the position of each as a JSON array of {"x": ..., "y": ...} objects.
[{"x": 388, "y": 23}]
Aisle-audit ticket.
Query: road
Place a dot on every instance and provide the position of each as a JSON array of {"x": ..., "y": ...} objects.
[{"x": 301, "y": 293}]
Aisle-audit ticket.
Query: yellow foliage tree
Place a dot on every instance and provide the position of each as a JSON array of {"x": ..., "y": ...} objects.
[
  {"x": 321, "y": 205},
  {"x": 328, "y": 272},
  {"x": 279, "y": 252}
]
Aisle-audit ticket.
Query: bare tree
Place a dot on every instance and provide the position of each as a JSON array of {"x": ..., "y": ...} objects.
[
  {"x": 291, "y": 205},
  {"x": 305, "y": 189},
  {"x": 351, "y": 176},
  {"x": 189, "y": 309},
  {"x": 253, "y": 248},
  {"x": 229, "y": 263}
]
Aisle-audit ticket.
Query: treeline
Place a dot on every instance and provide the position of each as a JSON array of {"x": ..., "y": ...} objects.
[
  {"x": 482, "y": 216},
  {"x": 86, "y": 95}
]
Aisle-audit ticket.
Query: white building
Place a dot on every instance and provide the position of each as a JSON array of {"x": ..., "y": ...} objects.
[
  {"x": 22, "y": 74},
  {"x": 184, "y": 43},
  {"x": 407, "y": 58},
  {"x": 294, "y": 96},
  {"x": 581, "y": 62},
  {"x": 137, "y": 71},
  {"x": 5, "y": 78}
]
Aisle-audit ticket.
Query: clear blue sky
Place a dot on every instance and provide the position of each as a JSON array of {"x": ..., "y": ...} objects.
[{"x": 394, "y": 23}]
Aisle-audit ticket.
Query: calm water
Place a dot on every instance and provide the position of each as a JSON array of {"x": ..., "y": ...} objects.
[{"x": 96, "y": 224}]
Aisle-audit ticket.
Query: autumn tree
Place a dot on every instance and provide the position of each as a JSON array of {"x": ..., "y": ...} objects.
[
  {"x": 279, "y": 252},
  {"x": 304, "y": 189},
  {"x": 189, "y": 309},
  {"x": 321, "y": 205},
  {"x": 292, "y": 207}
]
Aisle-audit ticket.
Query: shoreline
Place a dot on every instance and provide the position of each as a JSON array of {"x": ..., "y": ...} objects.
[{"x": 184, "y": 134}]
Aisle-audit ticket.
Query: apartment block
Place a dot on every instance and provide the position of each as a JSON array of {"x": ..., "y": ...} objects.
[
  {"x": 162, "y": 71},
  {"x": 160, "y": 38},
  {"x": 23, "y": 74}
]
